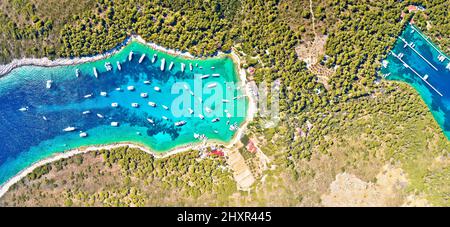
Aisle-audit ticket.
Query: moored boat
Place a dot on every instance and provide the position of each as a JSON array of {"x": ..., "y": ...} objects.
[
  {"x": 152, "y": 104},
  {"x": 49, "y": 84},
  {"x": 180, "y": 123},
  {"x": 212, "y": 85},
  {"x": 95, "y": 72},
  {"x": 183, "y": 66},
  {"x": 114, "y": 124},
  {"x": 83, "y": 134},
  {"x": 115, "y": 104},
  {"x": 118, "y": 65},
  {"x": 69, "y": 129},
  {"x": 135, "y": 105},
  {"x": 142, "y": 58},
  {"x": 157, "y": 89},
  {"x": 165, "y": 107},
  {"x": 154, "y": 58},
  {"x": 104, "y": 94},
  {"x": 163, "y": 64},
  {"x": 130, "y": 56},
  {"x": 130, "y": 88}
]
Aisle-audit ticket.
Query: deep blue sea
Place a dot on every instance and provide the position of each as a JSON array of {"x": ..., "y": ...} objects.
[
  {"x": 431, "y": 68},
  {"x": 33, "y": 117}
]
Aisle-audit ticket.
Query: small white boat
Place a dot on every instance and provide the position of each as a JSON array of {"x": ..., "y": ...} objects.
[
  {"x": 104, "y": 94},
  {"x": 118, "y": 89},
  {"x": 228, "y": 115},
  {"x": 190, "y": 66},
  {"x": 108, "y": 66},
  {"x": 83, "y": 134},
  {"x": 212, "y": 85},
  {"x": 225, "y": 100},
  {"x": 170, "y": 66},
  {"x": 208, "y": 110},
  {"x": 100, "y": 116},
  {"x": 142, "y": 58},
  {"x": 134, "y": 105},
  {"x": 115, "y": 104},
  {"x": 147, "y": 82},
  {"x": 186, "y": 86},
  {"x": 130, "y": 56},
  {"x": 183, "y": 66},
  {"x": 212, "y": 67},
  {"x": 77, "y": 73},
  {"x": 192, "y": 93},
  {"x": 190, "y": 111},
  {"x": 45, "y": 118},
  {"x": 130, "y": 88},
  {"x": 23, "y": 109},
  {"x": 86, "y": 112},
  {"x": 196, "y": 135},
  {"x": 157, "y": 89},
  {"x": 215, "y": 120},
  {"x": 216, "y": 132},
  {"x": 88, "y": 96},
  {"x": 49, "y": 84},
  {"x": 180, "y": 123},
  {"x": 204, "y": 76},
  {"x": 69, "y": 129},
  {"x": 144, "y": 95},
  {"x": 165, "y": 118},
  {"x": 152, "y": 104},
  {"x": 154, "y": 58},
  {"x": 114, "y": 124},
  {"x": 118, "y": 65},
  {"x": 163, "y": 64},
  {"x": 165, "y": 107},
  {"x": 95, "y": 72},
  {"x": 215, "y": 75},
  {"x": 201, "y": 116},
  {"x": 150, "y": 120}
]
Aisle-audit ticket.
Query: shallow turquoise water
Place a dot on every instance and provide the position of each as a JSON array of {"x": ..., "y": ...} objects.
[
  {"x": 429, "y": 67},
  {"x": 37, "y": 133}
]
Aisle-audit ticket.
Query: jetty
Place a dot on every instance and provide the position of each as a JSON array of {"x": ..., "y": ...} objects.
[
  {"x": 410, "y": 45},
  {"x": 414, "y": 71},
  {"x": 163, "y": 64},
  {"x": 428, "y": 41},
  {"x": 142, "y": 58}
]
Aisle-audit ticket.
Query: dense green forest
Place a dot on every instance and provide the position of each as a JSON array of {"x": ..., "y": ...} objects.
[{"x": 359, "y": 34}]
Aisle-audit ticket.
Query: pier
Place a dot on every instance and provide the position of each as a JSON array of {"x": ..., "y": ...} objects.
[
  {"x": 426, "y": 39},
  {"x": 412, "y": 48},
  {"x": 414, "y": 71}
]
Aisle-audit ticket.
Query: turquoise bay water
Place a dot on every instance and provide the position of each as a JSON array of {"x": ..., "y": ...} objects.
[
  {"x": 37, "y": 131},
  {"x": 432, "y": 67}
]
